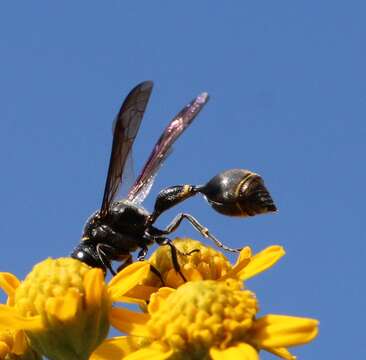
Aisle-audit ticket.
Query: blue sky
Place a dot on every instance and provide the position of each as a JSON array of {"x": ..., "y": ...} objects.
[{"x": 288, "y": 100}]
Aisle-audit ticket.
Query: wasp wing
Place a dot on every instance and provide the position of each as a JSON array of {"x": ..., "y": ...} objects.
[
  {"x": 125, "y": 130},
  {"x": 163, "y": 147}
]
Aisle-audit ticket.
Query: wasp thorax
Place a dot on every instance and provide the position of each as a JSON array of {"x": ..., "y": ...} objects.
[
  {"x": 90, "y": 224},
  {"x": 238, "y": 192}
]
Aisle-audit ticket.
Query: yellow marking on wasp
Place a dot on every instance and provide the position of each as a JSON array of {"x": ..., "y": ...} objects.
[
  {"x": 239, "y": 187},
  {"x": 185, "y": 191},
  {"x": 205, "y": 232},
  {"x": 85, "y": 238}
]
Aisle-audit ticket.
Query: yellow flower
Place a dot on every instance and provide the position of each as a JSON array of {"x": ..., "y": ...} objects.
[
  {"x": 13, "y": 343},
  {"x": 63, "y": 307},
  {"x": 206, "y": 263},
  {"x": 209, "y": 317},
  {"x": 14, "y": 346},
  {"x": 205, "y": 319}
]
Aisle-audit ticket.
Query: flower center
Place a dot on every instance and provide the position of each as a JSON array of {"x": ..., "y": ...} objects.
[
  {"x": 202, "y": 314},
  {"x": 73, "y": 303},
  {"x": 194, "y": 256},
  {"x": 50, "y": 278}
]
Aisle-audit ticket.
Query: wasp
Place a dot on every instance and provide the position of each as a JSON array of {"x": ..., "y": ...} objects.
[{"x": 123, "y": 226}]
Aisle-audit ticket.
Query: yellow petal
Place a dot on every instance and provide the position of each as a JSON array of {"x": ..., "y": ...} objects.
[
  {"x": 158, "y": 299},
  {"x": 153, "y": 352},
  {"x": 129, "y": 322},
  {"x": 112, "y": 349},
  {"x": 4, "y": 349},
  {"x": 94, "y": 287},
  {"x": 127, "y": 278},
  {"x": 133, "y": 300},
  {"x": 276, "y": 331},
  {"x": 242, "y": 262},
  {"x": 20, "y": 343},
  {"x": 192, "y": 274},
  {"x": 282, "y": 353},
  {"x": 9, "y": 283},
  {"x": 64, "y": 308},
  {"x": 240, "y": 351},
  {"x": 141, "y": 292},
  {"x": 164, "y": 292},
  {"x": 245, "y": 255},
  {"x": 11, "y": 319},
  {"x": 262, "y": 261},
  {"x": 173, "y": 279}
]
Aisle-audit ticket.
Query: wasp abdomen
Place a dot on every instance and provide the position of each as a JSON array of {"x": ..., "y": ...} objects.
[{"x": 238, "y": 192}]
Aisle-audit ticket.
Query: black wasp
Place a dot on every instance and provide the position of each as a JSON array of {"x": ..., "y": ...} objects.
[{"x": 123, "y": 226}]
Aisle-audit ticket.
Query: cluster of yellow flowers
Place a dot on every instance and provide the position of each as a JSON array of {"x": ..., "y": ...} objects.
[{"x": 63, "y": 310}]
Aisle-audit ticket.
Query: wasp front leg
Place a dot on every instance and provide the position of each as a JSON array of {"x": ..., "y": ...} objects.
[
  {"x": 126, "y": 260},
  {"x": 174, "y": 253}
]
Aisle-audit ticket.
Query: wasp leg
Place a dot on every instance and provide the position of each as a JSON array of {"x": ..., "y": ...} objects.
[
  {"x": 141, "y": 257},
  {"x": 199, "y": 227},
  {"x": 155, "y": 271},
  {"x": 102, "y": 251},
  {"x": 127, "y": 260},
  {"x": 174, "y": 252},
  {"x": 190, "y": 252},
  {"x": 142, "y": 253}
]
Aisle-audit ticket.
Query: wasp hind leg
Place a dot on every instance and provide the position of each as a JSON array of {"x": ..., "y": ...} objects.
[{"x": 199, "y": 227}]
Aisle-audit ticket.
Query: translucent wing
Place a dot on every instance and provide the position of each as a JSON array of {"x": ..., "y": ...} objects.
[
  {"x": 125, "y": 130},
  {"x": 162, "y": 148},
  {"x": 128, "y": 173}
]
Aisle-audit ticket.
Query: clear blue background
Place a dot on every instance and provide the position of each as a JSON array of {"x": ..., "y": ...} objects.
[{"x": 288, "y": 100}]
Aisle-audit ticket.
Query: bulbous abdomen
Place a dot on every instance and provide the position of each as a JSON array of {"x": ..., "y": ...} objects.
[{"x": 238, "y": 192}]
